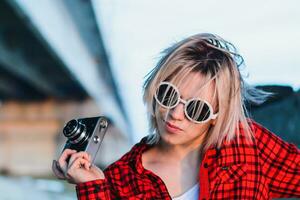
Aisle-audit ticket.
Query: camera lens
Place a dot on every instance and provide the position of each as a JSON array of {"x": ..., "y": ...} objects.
[{"x": 75, "y": 132}]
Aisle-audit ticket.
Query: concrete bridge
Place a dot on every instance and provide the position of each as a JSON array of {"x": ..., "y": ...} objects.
[{"x": 53, "y": 67}]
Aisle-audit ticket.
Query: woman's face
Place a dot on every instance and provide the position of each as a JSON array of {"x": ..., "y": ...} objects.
[{"x": 173, "y": 126}]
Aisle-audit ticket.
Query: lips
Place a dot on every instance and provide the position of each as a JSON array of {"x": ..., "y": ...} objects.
[{"x": 173, "y": 126}]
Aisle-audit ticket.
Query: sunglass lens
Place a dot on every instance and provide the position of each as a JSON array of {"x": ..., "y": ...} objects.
[
  {"x": 167, "y": 95},
  {"x": 198, "y": 110}
]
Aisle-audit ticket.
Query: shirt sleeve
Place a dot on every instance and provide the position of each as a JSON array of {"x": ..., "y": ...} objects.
[
  {"x": 280, "y": 163},
  {"x": 94, "y": 190}
]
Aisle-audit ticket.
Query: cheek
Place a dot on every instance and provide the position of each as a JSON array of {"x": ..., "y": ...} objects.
[
  {"x": 197, "y": 129},
  {"x": 160, "y": 116},
  {"x": 161, "y": 112}
]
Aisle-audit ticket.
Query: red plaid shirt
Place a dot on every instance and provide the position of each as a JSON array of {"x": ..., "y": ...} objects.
[{"x": 267, "y": 168}]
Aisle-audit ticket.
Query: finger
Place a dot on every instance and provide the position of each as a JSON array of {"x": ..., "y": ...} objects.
[
  {"x": 81, "y": 154},
  {"x": 87, "y": 165},
  {"x": 57, "y": 171},
  {"x": 62, "y": 161},
  {"x": 79, "y": 163}
]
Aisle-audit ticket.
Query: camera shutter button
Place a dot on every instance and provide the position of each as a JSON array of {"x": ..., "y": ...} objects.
[
  {"x": 96, "y": 139},
  {"x": 103, "y": 123}
]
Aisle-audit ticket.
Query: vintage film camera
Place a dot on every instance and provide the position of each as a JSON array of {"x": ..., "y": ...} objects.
[{"x": 86, "y": 134}]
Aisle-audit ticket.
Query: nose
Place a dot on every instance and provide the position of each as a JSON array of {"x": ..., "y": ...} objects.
[{"x": 177, "y": 113}]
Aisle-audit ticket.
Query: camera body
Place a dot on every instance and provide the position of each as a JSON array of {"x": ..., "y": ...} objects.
[{"x": 86, "y": 134}]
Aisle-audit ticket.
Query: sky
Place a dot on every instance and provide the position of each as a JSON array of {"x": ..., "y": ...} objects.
[{"x": 266, "y": 33}]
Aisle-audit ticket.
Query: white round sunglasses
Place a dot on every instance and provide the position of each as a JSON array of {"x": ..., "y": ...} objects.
[{"x": 195, "y": 109}]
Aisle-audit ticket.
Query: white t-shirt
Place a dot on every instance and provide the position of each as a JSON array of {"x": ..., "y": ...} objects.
[{"x": 191, "y": 194}]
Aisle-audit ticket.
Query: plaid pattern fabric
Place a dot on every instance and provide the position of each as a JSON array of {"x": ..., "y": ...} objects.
[{"x": 263, "y": 169}]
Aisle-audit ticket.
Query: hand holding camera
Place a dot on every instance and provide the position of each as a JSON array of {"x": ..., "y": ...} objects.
[
  {"x": 78, "y": 169},
  {"x": 85, "y": 136}
]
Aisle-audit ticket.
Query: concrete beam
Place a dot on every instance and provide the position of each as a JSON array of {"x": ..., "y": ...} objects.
[
  {"x": 55, "y": 26},
  {"x": 15, "y": 63}
]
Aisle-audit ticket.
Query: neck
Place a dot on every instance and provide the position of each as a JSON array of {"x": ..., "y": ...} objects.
[{"x": 189, "y": 154}]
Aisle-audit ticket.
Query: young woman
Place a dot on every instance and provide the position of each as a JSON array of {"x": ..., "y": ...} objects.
[{"x": 202, "y": 145}]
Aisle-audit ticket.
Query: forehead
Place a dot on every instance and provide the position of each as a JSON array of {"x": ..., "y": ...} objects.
[{"x": 195, "y": 84}]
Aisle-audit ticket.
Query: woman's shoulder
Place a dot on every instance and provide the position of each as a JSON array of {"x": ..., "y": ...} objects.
[
  {"x": 261, "y": 138},
  {"x": 263, "y": 134},
  {"x": 258, "y": 131},
  {"x": 269, "y": 143}
]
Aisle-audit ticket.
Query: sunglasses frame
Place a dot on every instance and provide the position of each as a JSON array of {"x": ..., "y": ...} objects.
[{"x": 185, "y": 103}]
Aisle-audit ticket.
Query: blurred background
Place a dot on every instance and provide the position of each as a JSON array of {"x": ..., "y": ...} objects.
[{"x": 66, "y": 59}]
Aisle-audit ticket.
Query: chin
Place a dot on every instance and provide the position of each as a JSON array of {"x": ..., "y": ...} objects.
[{"x": 170, "y": 139}]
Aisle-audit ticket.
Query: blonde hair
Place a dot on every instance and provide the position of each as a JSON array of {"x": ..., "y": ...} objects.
[{"x": 218, "y": 60}]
